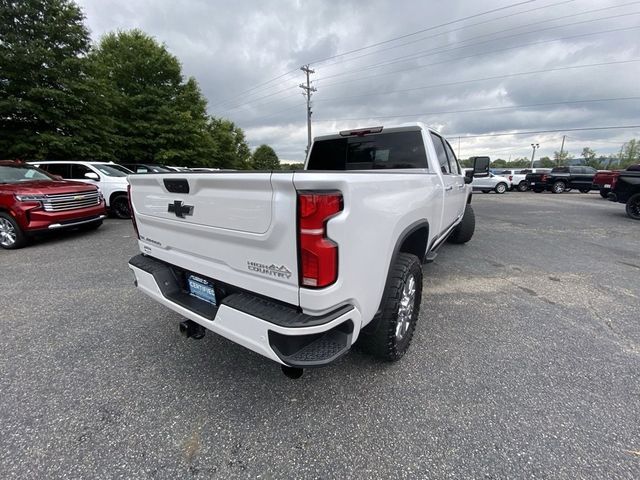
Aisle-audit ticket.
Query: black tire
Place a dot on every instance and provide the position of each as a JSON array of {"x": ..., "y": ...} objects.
[
  {"x": 633, "y": 206},
  {"x": 604, "y": 192},
  {"x": 120, "y": 206},
  {"x": 464, "y": 231},
  {"x": 523, "y": 186},
  {"x": 501, "y": 188},
  {"x": 11, "y": 235},
  {"x": 537, "y": 190},
  {"x": 585, "y": 190},
  {"x": 387, "y": 338},
  {"x": 558, "y": 187},
  {"x": 486, "y": 191}
]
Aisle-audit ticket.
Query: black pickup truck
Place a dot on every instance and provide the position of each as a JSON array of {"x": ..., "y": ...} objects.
[
  {"x": 562, "y": 179},
  {"x": 625, "y": 188}
]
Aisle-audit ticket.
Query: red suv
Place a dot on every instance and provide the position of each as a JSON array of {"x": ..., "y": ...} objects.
[{"x": 32, "y": 201}]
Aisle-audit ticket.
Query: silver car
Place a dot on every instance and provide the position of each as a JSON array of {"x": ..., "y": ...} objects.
[{"x": 489, "y": 182}]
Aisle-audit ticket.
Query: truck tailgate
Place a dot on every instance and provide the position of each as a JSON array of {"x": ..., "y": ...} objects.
[{"x": 233, "y": 227}]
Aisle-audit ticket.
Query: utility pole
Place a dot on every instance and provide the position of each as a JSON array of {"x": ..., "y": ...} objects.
[
  {"x": 561, "y": 151},
  {"x": 533, "y": 154},
  {"x": 308, "y": 91}
]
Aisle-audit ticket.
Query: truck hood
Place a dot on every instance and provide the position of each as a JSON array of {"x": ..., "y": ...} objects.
[{"x": 46, "y": 187}]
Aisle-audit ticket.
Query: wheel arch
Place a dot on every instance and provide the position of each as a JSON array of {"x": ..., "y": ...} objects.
[
  {"x": 115, "y": 194},
  {"x": 414, "y": 240}
]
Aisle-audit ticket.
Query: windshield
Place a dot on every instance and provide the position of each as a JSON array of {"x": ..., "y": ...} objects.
[
  {"x": 111, "y": 170},
  {"x": 21, "y": 173}
]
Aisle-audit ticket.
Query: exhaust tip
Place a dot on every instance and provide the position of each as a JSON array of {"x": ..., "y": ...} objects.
[{"x": 292, "y": 372}]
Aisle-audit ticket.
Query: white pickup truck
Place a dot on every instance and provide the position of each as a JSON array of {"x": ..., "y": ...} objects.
[{"x": 298, "y": 265}]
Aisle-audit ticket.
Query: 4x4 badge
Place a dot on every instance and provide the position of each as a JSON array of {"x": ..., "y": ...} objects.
[{"x": 180, "y": 209}]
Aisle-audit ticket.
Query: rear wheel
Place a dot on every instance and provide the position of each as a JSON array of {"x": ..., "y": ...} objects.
[
  {"x": 522, "y": 186},
  {"x": 501, "y": 188},
  {"x": 389, "y": 335},
  {"x": 537, "y": 190},
  {"x": 633, "y": 206},
  {"x": 604, "y": 192},
  {"x": 464, "y": 231},
  {"x": 558, "y": 187},
  {"x": 120, "y": 206},
  {"x": 11, "y": 235},
  {"x": 585, "y": 190},
  {"x": 486, "y": 191}
]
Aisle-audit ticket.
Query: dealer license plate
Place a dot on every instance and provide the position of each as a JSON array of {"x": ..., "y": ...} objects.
[
  {"x": 607, "y": 185},
  {"x": 201, "y": 289},
  {"x": 533, "y": 183}
]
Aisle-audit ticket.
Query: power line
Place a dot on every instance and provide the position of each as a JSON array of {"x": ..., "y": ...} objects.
[
  {"x": 465, "y": 27},
  {"x": 373, "y": 45},
  {"x": 366, "y": 77},
  {"x": 322, "y": 60},
  {"x": 472, "y": 40},
  {"x": 485, "y": 109},
  {"x": 495, "y": 77},
  {"x": 504, "y": 134},
  {"x": 438, "y": 50}
]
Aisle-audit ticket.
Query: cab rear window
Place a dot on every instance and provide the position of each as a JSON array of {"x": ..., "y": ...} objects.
[{"x": 370, "y": 152}]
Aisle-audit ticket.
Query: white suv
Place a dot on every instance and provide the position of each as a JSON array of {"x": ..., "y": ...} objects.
[
  {"x": 110, "y": 178},
  {"x": 486, "y": 183}
]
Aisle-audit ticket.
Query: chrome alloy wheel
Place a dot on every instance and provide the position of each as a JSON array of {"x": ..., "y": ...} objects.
[
  {"x": 7, "y": 233},
  {"x": 405, "y": 309}
]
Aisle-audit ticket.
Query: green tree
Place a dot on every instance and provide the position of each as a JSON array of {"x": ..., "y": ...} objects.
[
  {"x": 590, "y": 158},
  {"x": 265, "y": 158},
  {"x": 49, "y": 107},
  {"x": 158, "y": 116},
  {"x": 630, "y": 153},
  {"x": 561, "y": 158},
  {"x": 230, "y": 149},
  {"x": 499, "y": 163},
  {"x": 546, "y": 162},
  {"x": 292, "y": 166}
]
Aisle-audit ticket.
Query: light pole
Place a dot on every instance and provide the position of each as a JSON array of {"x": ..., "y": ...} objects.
[{"x": 533, "y": 153}]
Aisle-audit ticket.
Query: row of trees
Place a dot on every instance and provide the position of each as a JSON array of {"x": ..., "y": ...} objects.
[
  {"x": 629, "y": 155},
  {"x": 124, "y": 99}
]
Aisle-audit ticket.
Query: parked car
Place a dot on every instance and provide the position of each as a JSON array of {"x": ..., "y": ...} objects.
[
  {"x": 562, "y": 179},
  {"x": 490, "y": 181},
  {"x": 177, "y": 169},
  {"x": 146, "y": 168},
  {"x": 625, "y": 188},
  {"x": 605, "y": 178},
  {"x": 31, "y": 202},
  {"x": 108, "y": 177},
  {"x": 517, "y": 177},
  {"x": 297, "y": 266}
]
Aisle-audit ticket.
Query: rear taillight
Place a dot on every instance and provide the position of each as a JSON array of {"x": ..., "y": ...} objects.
[
  {"x": 543, "y": 178},
  {"x": 318, "y": 260},
  {"x": 511, "y": 178},
  {"x": 133, "y": 217}
]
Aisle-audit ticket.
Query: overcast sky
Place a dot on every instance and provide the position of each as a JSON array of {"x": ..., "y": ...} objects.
[{"x": 463, "y": 59}]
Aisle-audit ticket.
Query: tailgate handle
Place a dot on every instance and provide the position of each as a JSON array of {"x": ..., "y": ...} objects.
[{"x": 176, "y": 185}]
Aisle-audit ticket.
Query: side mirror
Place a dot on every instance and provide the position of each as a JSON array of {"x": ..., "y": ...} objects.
[
  {"x": 468, "y": 175},
  {"x": 92, "y": 176},
  {"x": 481, "y": 166}
]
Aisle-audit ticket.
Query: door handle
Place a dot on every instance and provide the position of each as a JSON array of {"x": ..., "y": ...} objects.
[
  {"x": 450, "y": 187},
  {"x": 460, "y": 187}
]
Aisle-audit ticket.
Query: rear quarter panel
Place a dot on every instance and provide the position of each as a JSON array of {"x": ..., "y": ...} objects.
[{"x": 378, "y": 208}]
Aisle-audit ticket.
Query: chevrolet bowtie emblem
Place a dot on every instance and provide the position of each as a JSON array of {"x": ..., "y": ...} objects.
[{"x": 180, "y": 209}]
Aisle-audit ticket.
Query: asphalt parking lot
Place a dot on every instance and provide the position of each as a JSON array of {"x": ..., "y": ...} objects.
[{"x": 526, "y": 363}]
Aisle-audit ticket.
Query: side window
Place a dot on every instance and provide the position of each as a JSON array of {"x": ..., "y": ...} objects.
[
  {"x": 589, "y": 170},
  {"x": 441, "y": 153},
  {"x": 61, "y": 169},
  {"x": 453, "y": 161},
  {"x": 78, "y": 171},
  {"x": 140, "y": 169}
]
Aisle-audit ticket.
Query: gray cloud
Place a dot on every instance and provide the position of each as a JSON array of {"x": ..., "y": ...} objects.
[{"x": 231, "y": 47}]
